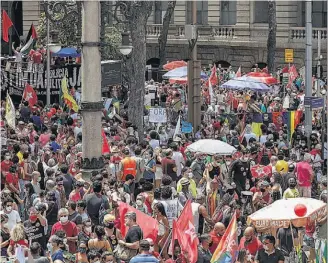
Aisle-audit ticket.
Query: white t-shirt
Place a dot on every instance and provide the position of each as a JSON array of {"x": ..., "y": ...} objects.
[
  {"x": 13, "y": 218},
  {"x": 179, "y": 161}
]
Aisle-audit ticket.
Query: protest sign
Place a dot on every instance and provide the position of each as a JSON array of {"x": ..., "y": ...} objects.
[
  {"x": 186, "y": 127},
  {"x": 157, "y": 115}
]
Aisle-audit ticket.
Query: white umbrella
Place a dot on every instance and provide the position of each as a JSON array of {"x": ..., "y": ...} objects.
[
  {"x": 281, "y": 213},
  {"x": 211, "y": 147}
]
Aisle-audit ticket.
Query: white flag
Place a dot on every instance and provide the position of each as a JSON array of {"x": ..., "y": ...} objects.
[
  {"x": 177, "y": 128},
  {"x": 10, "y": 112}
]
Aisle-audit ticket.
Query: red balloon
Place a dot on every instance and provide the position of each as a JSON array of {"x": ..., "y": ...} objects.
[
  {"x": 300, "y": 210},
  {"x": 49, "y": 115},
  {"x": 53, "y": 111}
]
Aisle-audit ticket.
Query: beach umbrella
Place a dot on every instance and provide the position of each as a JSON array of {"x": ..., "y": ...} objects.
[
  {"x": 211, "y": 147},
  {"x": 246, "y": 83},
  {"x": 262, "y": 77},
  {"x": 175, "y": 64},
  {"x": 180, "y": 73}
]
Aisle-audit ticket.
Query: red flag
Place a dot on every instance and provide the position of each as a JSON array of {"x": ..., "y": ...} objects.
[
  {"x": 292, "y": 75},
  {"x": 29, "y": 95},
  {"x": 184, "y": 231},
  {"x": 238, "y": 73},
  {"x": 34, "y": 34},
  {"x": 213, "y": 78},
  {"x": 148, "y": 224},
  {"x": 105, "y": 145},
  {"x": 6, "y": 24},
  {"x": 259, "y": 171}
]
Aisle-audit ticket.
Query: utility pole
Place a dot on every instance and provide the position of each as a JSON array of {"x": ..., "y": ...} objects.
[
  {"x": 194, "y": 98},
  {"x": 91, "y": 104},
  {"x": 308, "y": 68},
  {"x": 48, "y": 59},
  {"x": 318, "y": 63}
]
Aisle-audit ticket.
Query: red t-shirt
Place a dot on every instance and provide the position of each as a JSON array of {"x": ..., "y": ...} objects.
[
  {"x": 254, "y": 246},
  {"x": 44, "y": 139},
  {"x": 303, "y": 171},
  {"x": 216, "y": 240},
  {"x": 37, "y": 57},
  {"x": 5, "y": 165},
  {"x": 12, "y": 179},
  {"x": 71, "y": 231}
]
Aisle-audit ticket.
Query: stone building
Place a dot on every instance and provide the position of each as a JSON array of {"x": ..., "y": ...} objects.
[{"x": 230, "y": 32}]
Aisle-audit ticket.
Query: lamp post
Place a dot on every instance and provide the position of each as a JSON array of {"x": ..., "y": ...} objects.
[{"x": 125, "y": 47}]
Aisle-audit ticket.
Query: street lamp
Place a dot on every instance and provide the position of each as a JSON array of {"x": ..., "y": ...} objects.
[{"x": 125, "y": 48}]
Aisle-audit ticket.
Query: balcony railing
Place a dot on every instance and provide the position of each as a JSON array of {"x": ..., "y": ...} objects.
[
  {"x": 298, "y": 34},
  {"x": 213, "y": 33}
]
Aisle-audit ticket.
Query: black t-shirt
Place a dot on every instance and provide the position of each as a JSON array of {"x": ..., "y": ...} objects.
[
  {"x": 263, "y": 257},
  {"x": 286, "y": 240},
  {"x": 68, "y": 183},
  {"x": 134, "y": 234},
  {"x": 241, "y": 172},
  {"x": 35, "y": 232},
  {"x": 94, "y": 202},
  {"x": 52, "y": 213},
  {"x": 76, "y": 218}
]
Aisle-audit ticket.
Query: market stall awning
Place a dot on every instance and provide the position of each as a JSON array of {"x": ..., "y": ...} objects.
[
  {"x": 175, "y": 64},
  {"x": 67, "y": 52}
]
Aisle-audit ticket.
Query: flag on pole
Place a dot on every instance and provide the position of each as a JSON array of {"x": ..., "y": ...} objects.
[
  {"x": 184, "y": 231},
  {"x": 177, "y": 128},
  {"x": 213, "y": 80},
  {"x": 29, "y": 95},
  {"x": 227, "y": 250},
  {"x": 6, "y": 24},
  {"x": 238, "y": 73},
  {"x": 68, "y": 98},
  {"x": 105, "y": 145},
  {"x": 148, "y": 224},
  {"x": 292, "y": 75},
  {"x": 30, "y": 41},
  {"x": 10, "y": 114}
]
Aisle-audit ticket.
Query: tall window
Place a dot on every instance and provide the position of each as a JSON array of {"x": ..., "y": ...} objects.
[
  {"x": 160, "y": 10},
  {"x": 261, "y": 11},
  {"x": 319, "y": 13},
  {"x": 228, "y": 13},
  {"x": 202, "y": 12}
]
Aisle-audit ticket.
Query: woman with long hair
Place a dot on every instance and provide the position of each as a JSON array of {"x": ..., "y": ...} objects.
[
  {"x": 163, "y": 229},
  {"x": 29, "y": 196},
  {"x": 100, "y": 243},
  {"x": 17, "y": 237},
  {"x": 85, "y": 233},
  {"x": 5, "y": 235}
]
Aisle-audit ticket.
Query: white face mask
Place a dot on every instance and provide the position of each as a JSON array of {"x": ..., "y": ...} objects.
[
  {"x": 39, "y": 179},
  {"x": 139, "y": 203},
  {"x": 265, "y": 247},
  {"x": 190, "y": 175},
  {"x": 151, "y": 249},
  {"x": 9, "y": 208},
  {"x": 120, "y": 190},
  {"x": 63, "y": 219},
  {"x": 7, "y": 157},
  {"x": 98, "y": 261}
]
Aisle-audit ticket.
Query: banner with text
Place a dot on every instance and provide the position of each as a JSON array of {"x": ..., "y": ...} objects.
[{"x": 157, "y": 115}]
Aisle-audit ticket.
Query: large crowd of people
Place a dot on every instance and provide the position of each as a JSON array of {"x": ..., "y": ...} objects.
[{"x": 51, "y": 213}]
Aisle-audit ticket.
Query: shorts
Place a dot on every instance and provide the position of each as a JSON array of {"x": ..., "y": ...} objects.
[
  {"x": 158, "y": 173},
  {"x": 305, "y": 191}
]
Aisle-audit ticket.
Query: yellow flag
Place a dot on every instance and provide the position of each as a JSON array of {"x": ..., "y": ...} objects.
[
  {"x": 68, "y": 98},
  {"x": 10, "y": 112}
]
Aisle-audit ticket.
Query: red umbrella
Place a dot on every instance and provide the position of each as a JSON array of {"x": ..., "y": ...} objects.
[
  {"x": 175, "y": 64},
  {"x": 263, "y": 77}
]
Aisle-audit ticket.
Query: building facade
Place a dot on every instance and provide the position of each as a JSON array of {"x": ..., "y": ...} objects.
[
  {"x": 235, "y": 32},
  {"x": 229, "y": 32}
]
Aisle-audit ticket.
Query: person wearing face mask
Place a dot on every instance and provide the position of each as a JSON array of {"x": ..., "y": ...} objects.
[
  {"x": 269, "y": 254},
  {"x": 35, "y": 228},
  {"x": 108, "y": 257},
  {"x": 86, "y": 231},
  {"x": 68, "y": 227},
  {"x": 204, "y": 254},
  {"x": 250, "y": 242},
  {"x": 13, "y": 215},
  {"x": 216, "y": 235},
  {"x": 5, "y": 166},
  {"x": 262, "y": 198},
  {"x": 184, "y": 195},
  {"x": 113, "y": 234},
  {"x": 140, "y": 204},
  {"x": 5, "y": 235},
  {"x": 81, "y": 255},
  {"x": 187, "y": 174},
  {"x": 305, "y": 175},
  {"x": 240, "y": 172},
  {"x": 291, "y": 191}
]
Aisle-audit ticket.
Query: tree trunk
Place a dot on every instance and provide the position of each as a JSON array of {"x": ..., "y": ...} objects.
[
  {"x": 162, "y": 39},
  {"x": 271, "y": 44},
  {"x": 137, "y": 14}
]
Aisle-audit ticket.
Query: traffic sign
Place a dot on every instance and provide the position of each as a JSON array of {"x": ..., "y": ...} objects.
[
  {"x": 314, "y": 102},
  {"x": 289, "y": 55}
]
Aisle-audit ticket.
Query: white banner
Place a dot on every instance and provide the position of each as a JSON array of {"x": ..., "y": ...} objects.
[{"x": 157, "y": 115}]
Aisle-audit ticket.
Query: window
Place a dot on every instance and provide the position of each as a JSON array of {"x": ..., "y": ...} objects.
[
  {"x": 319, "y": 13},
  {"x": 202, "y": 12},
  {"x": 160, "y": 10},
  {"x": 261, "y": 11},
  {"x": 228, "y": 13}
]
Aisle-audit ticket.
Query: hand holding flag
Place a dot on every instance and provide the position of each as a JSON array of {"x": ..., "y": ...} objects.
[{"x": 29, "y": 95}]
